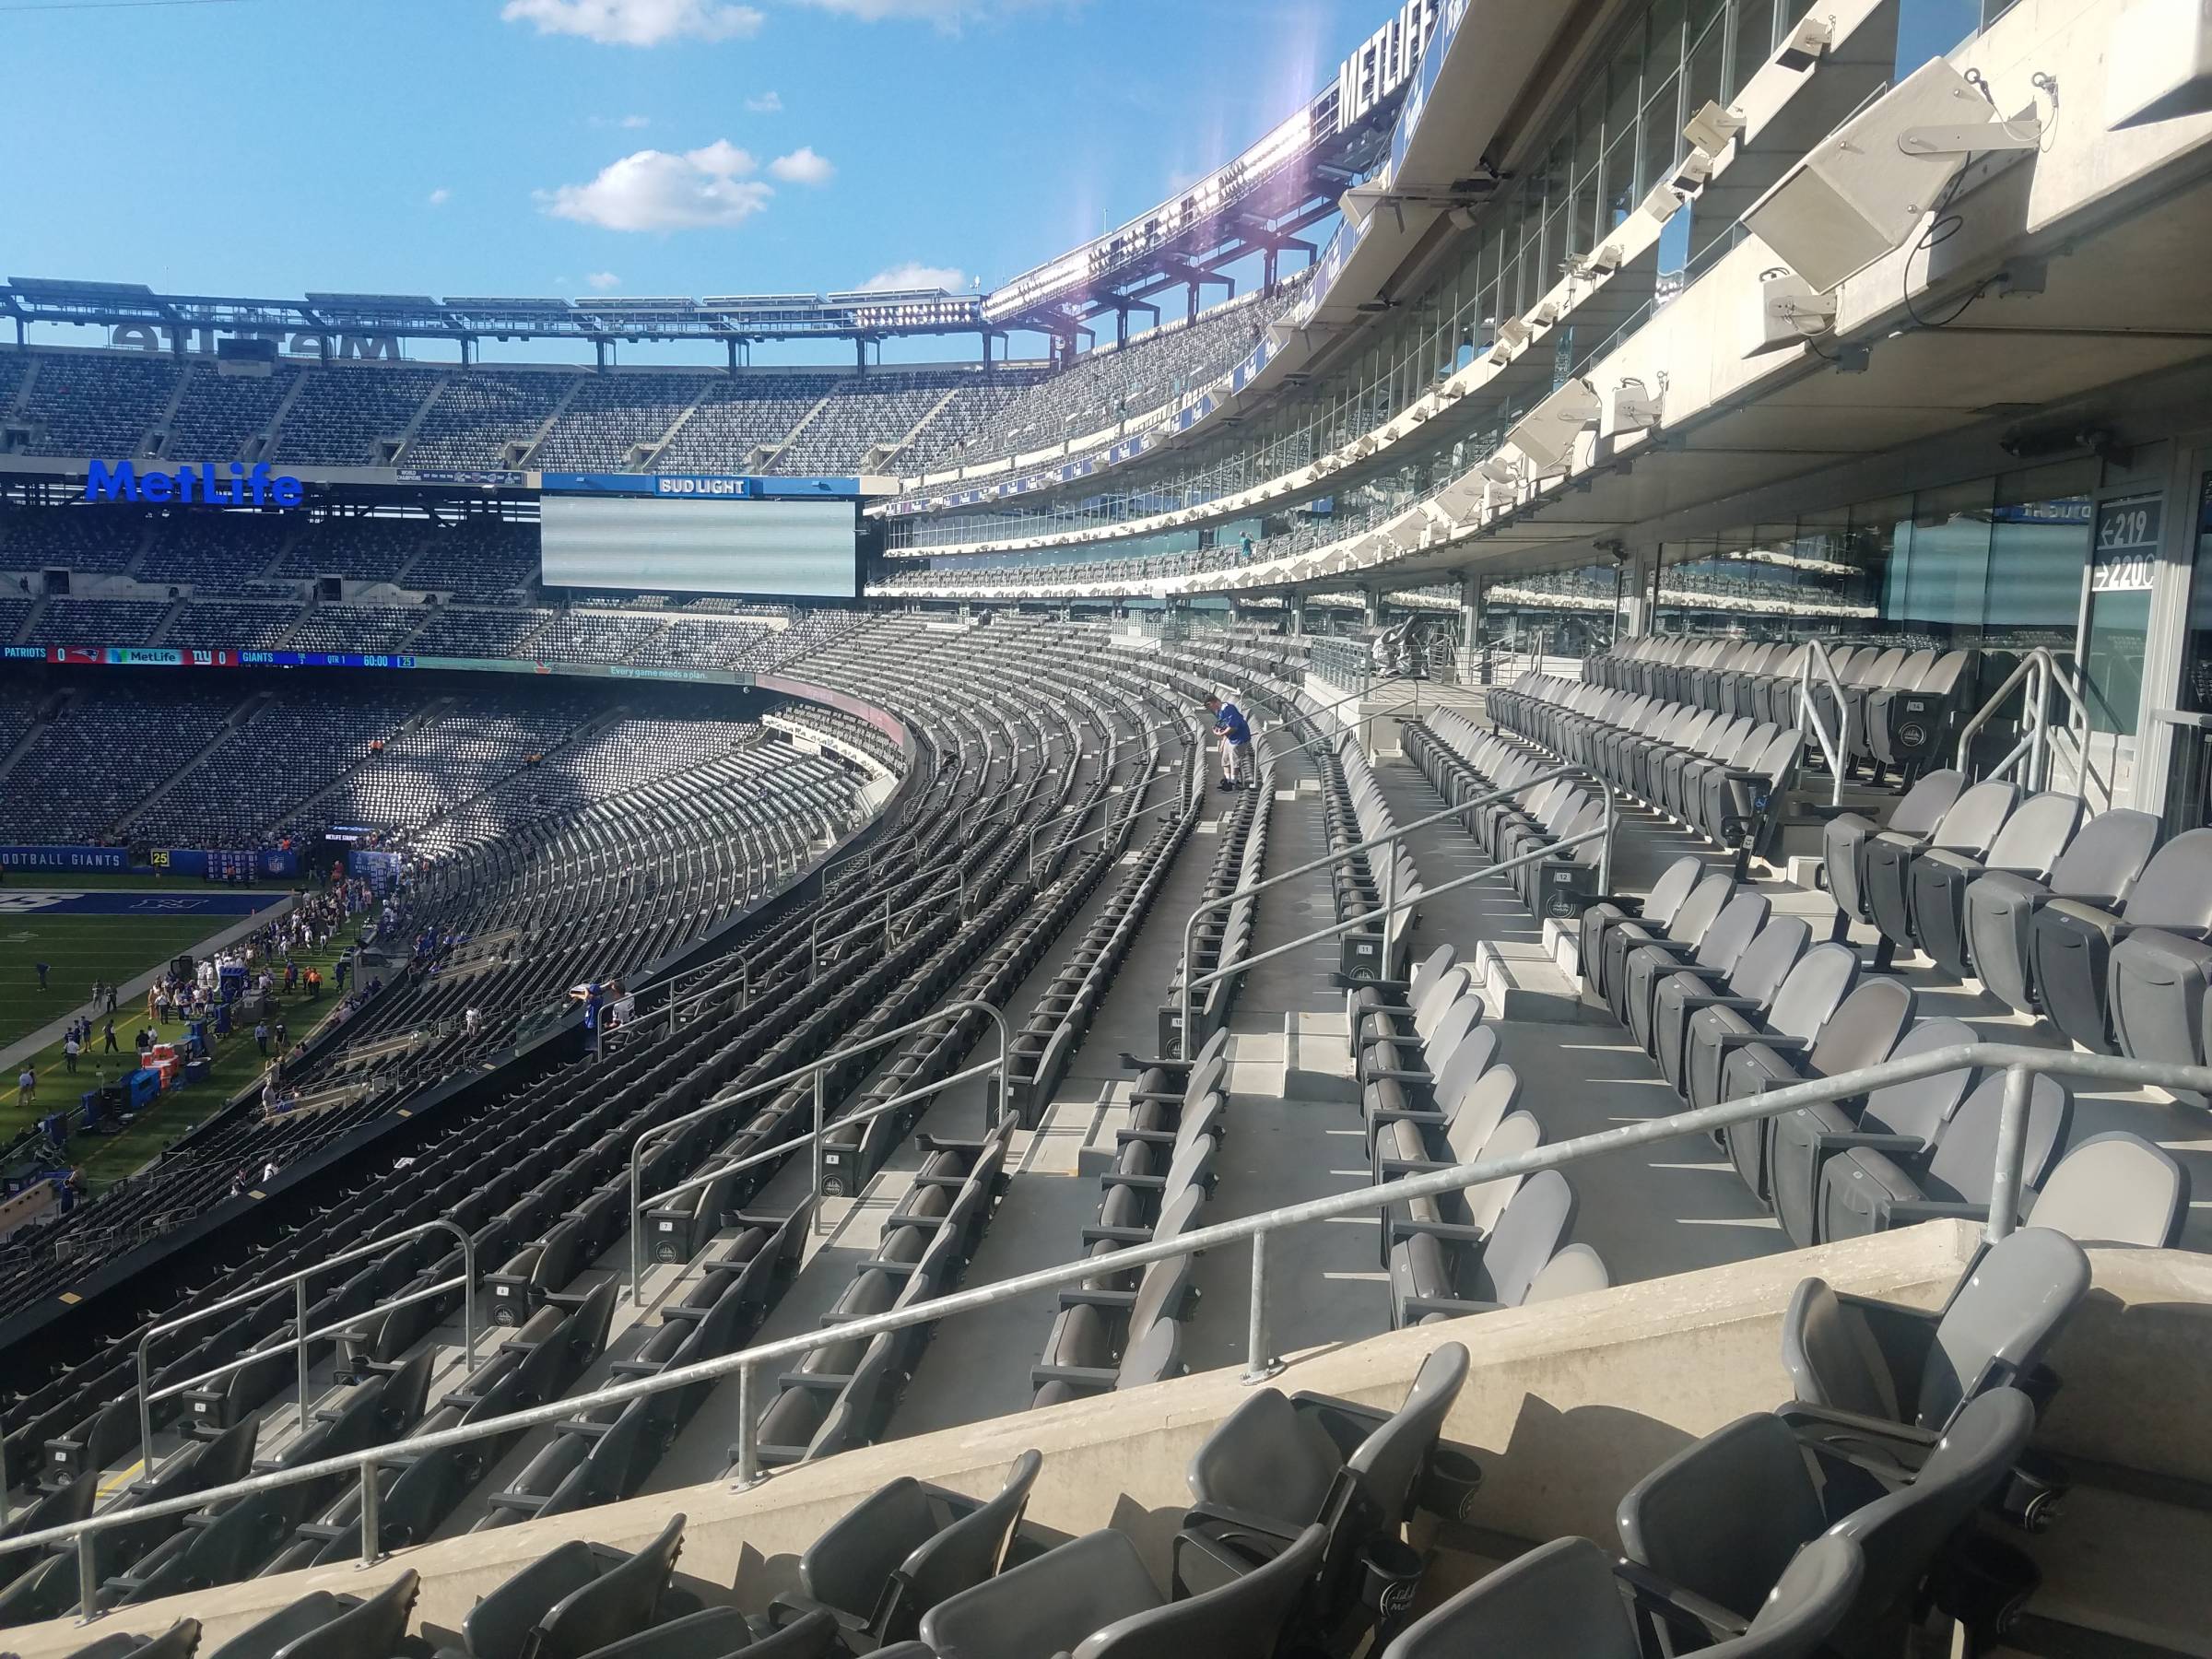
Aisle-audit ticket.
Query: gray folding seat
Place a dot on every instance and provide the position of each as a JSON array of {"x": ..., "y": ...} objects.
[
  {"x": 575, "y": 1598},
  {"x": 1864, "y": 1191},
  {"x": 1972, "y": 824},
  {"x": 1478, "y": 1275},
  {"x": 1389, "y": 1002},
  {"x": 2115, "y": 1189},
  {"x": 1861, "y": 1363},
  {"x": 903, "y": 1549},
  {"x": 2098, "y": 869},
  {"x": 1685, "y": 926},
  {"x": 1905, "y": 725},
  {"x": 1750, "y": 984},
  {"x": 1384, "y": 1104},
  {"x": 176, "y": 1643},
  {"x": 1417, "y": 1066},
  {"x": 1276, "y": 1465},
  {"x": 1816, "y": 987},
  {"x": 1898, "y": 1117},
  {"x": 1565, "y": 1597},
  {"x": 2157, "y": 984},
  {"x": 2029, "y": 847},
  {"x": 323, "y": 1625},
  {"x": 1716, "y": 950},
  {"x": 1722, "y": 1519},
  {"x": 2075, "y": 946},
  {"x": 1861, "y": 1031},
  {"x": 726, "y": 1633},
  {"x": 1844, "y": 837},
  {"x": 1093, "y": 1598},
  {"x": 1658, "y": 910}
]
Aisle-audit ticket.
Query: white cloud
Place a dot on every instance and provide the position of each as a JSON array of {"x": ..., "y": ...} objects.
[
  {"x": 803, "y": 166},
  {"x": 602, "y": 280},
  {"x": 634, "y": 122},
  {"x": 767, "y": 104},
  {"x": 637, "y": 22},
  {"x": 653, "y": 190},
  {"x": 440, "y": 196},
  {"x": 915, "y": 275}
]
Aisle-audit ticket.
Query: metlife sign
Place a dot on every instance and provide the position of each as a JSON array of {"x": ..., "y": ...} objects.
[{"x": 207, "y": 483}]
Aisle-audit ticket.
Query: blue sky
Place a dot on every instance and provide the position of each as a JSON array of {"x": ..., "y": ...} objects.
[{"x": 642, "y": 147}]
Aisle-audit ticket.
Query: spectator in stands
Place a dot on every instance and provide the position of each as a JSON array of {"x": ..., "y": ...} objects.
[
  {"x": 1244, "y": 548},
  {"x": 1236, "y": 743}
]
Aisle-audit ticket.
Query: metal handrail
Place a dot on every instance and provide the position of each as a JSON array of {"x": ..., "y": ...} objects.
[
  {"x": 817, "y": 1070},
  {"x": 745, "y": 995},
  {"x": 1392, "y": 905},
  {"x": 301, "y": 1335},
  {"x": 2040, "y": 668},
  {"x": 1830, "y": 748},
  {"x": 2021, "y": 1063},
  {"x": 1330, "y": 860},
  {"x": 1177, "y": 803}
]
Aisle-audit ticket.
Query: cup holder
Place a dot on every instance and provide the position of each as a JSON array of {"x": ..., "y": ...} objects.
[{"x": 1449, "y": 1486}]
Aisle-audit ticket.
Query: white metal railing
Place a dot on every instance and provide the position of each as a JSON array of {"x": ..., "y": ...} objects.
[
  {"x": 1831, "y": 745},
  {"x": 2021, "y": 1065},
  {"x": 302, "y": 1336},
  {"x": 2041, "y": 670},
  {"x": 816, "y": 1071}
]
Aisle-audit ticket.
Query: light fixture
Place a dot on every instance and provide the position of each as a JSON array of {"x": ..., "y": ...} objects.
[
  {"x": 1501, "y": 469},
  {"x": 1696, "y": 167},
  {"x": 1864, "y": 190},
  {"x": 1711, "y": 127},
  {"x": 1513, "y": 332},
  {"x": 1604, "y": 260},
  {"x": 1547, "y": 432},
  {"x": 1545, "y": 314},
  {"x": 1635, "y": 409},
  {"x": 1790, "y": 313},
  {"x": 1661, "y": 203},
  {"x": 1808, "y": 41},
  {"x": 2159, "y": 64}
]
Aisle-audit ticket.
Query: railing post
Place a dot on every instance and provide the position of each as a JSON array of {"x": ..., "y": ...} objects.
[
  {"x": 748, "y": 1432},
  {"x": 87, "y": 1579},
  {"x": 371, "y": 1522},
  {"x": 2012, "y": 1150},
  {"x": 821, "y": 1118},
  {"x": 1259, "y": 1364},
  {"x": 1604, "y": 848},
  {"x": 300, "y": 1341},
  {"x": 468, "y": 1300},
  {"x": 148, "y": 1466},
  {"x": 1390, "y": 898}
]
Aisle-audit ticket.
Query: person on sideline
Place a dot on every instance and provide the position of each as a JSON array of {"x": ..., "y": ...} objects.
[{"x": 1236, "y": 744}]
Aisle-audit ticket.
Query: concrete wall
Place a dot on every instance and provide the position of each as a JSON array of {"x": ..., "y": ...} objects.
[{"x": 1567, "y": 1404}]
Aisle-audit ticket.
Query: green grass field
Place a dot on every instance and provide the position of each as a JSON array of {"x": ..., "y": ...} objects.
[{"x": 116, "y": 949}]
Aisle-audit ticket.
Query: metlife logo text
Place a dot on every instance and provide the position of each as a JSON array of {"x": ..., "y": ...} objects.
[{"x": 207, "y": 483}]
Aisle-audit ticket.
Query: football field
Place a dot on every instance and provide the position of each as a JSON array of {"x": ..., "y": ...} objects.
[{"x": 109, "y": 935}]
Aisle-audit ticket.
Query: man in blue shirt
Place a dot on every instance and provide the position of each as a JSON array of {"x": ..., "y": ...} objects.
[{"x": 1236, "y": 744}]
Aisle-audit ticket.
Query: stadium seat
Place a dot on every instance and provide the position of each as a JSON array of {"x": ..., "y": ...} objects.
[{"x": 2098, "y": 869}]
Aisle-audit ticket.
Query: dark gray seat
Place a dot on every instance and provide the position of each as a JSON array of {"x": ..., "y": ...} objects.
[
  {"x": 2074, "y": 944},
  {"x": 724, "y": 1633},
  {"x": 1844, "y": 837},
  {"x": 1722, "y": 1519},
  {"x": 1092, "y": 1598},
  {"x": 2115, "y": 1189},
  {"x": 1443, "y": 1269},
  {"x": 573, "y": 1599},
  {"x": 1565, "y": 1598},
  {"x": 1816, "y": 987},
  {"x": 2029, "y": 847},
  {"x": 1276, "y": 1465},
  {"x": 1901, "y": 1117},
  {"x": 323, "y": 1625},
  {"x": 903, "y": 1549},
  {"x": 1972, "y": 826},
  {"x": 1860, "y": 1363},
  {"x": 176, "y": 1643},
  {"x": 1749, "y": 985},
  {"x": 1865, "y": 1191},
  {"x": 1658, "y": 910},
  {"x": 2098, "y": 869},
  {"x": 1861, "y": 1031}
]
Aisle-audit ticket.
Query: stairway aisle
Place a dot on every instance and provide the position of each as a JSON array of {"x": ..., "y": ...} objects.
[{"x": 1326, "y": 1280}]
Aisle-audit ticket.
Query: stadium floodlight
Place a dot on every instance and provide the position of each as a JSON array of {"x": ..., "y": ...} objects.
[
  {"x": 1544, "y": 314},
  {"x": 1635, "y": 409},
  {"x": 1863, "y": 191},
  {"x": 1711, "y": 127},
  {"x": 1604, "y": 259},
  {"x": 1502, "y": 470},
  {"x": 1547, "y": 432},
  {"x": 1513, "y": 332},
  {"x": 1696, "y": 167},
  {"x": 1790, "y": 313},
  {"x": 1808, "y": 43},
  {"x": 1662, "y": 203}
]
